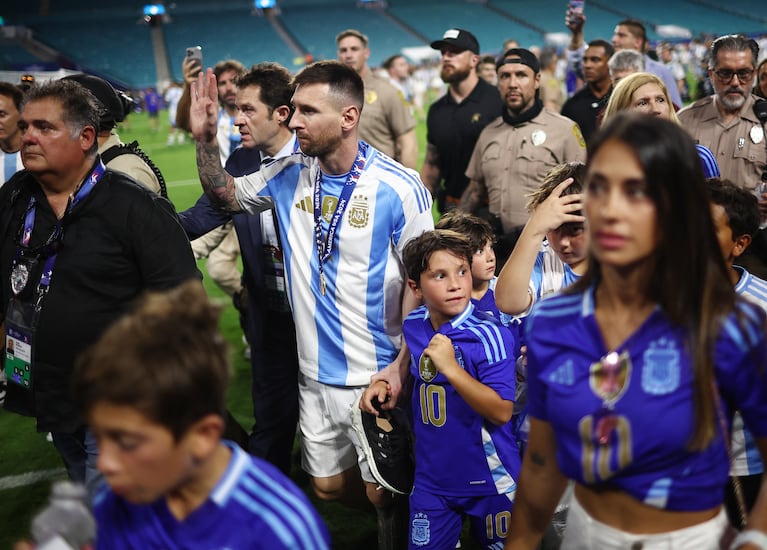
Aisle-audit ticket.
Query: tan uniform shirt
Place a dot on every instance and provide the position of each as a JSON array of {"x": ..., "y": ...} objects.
[
  {"x": 385, "y": 116},
  {"x": 739, "y": 147},
  {"x": 131, "y": 165},
  {"x": 511, "y": 161}
]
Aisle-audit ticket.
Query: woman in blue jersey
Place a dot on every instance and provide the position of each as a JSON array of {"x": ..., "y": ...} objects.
[{"x": 635, "y": 370}]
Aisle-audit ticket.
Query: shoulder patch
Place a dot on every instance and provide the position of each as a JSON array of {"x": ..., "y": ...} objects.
[{"x": 579, "y": 136}]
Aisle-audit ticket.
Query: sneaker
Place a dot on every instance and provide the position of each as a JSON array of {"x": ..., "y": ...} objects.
[{"x": 387, "y": 441}]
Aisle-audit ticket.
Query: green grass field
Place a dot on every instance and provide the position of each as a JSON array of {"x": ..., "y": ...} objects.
[{"x": 24, "y": 453}]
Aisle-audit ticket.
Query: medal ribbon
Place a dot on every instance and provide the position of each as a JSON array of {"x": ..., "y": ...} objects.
[
  {"x": 325, "y": 248},
  {"x": 29, "y": 223}
]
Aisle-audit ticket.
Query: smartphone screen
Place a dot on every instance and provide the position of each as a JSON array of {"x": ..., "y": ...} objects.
[{"x": 575, "y": 11}]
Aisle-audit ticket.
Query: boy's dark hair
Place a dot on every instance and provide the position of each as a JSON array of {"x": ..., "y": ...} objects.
[
  {"x": 418, "y": 251},
  {"x": 478, "y": 231},
  {"x": 167, "y": 359},
  {"x": 741, "y": 206},
  {"x": 555, "y": 176}
]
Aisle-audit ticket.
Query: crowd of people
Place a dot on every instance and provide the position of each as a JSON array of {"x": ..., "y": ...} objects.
[{"x": 574, "y": 355}]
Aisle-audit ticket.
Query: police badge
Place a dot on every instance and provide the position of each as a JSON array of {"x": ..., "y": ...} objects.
[{"x": 20, "y": 275}]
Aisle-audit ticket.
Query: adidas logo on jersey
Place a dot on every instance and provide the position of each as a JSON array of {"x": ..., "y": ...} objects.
[
  {"x": 564, "y": 374},
  {"x": 305, "y": 205}
]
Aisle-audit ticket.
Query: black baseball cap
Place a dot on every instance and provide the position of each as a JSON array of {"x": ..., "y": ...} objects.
[
  {"x": 111, "y": 108},
  {"x": 457, "y": 38},
  {"x": 519, "y": 55}
]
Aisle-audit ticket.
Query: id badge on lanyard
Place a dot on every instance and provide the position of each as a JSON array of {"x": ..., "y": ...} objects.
[
  {"x": 20, "y": 323},
  {"x": 24, "y": 308}
]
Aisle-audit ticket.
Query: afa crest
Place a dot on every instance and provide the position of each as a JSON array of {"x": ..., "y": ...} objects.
[
  {"x": 370, "y": 97},
  {"x": 420, "y": 530},
  {"x": 359, "y": 212},
  {"x": 661, "y": 370}
]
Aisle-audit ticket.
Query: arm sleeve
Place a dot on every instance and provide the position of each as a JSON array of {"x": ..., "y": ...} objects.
[
  {"x": 575, "y": 60},
  {"x": 160, "y": 246},
  {"x": 202, "y": 218}
]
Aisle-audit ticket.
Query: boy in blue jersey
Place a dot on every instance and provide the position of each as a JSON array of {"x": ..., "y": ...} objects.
[
  {"x": 462, "y": 364},
  {"x": 483, "y": 264},
  {"x": 153, "y": 389},
  {"x": 736, "y": 220}
]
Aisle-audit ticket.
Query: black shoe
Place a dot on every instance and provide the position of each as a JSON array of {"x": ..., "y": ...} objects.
[{"x": 388, "y": 444}]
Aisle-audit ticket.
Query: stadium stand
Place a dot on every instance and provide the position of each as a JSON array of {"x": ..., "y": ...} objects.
[{"x": 119, "y": 45}]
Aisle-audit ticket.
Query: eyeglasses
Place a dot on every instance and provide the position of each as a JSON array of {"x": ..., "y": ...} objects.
[{"x": 725, "y": 75}]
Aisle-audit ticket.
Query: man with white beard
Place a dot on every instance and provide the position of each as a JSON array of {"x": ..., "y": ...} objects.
[{"x": 726, "y": 124}]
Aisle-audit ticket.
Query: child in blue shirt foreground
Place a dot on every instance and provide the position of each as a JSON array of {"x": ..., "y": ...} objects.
[{"x": 462, "y": 364}]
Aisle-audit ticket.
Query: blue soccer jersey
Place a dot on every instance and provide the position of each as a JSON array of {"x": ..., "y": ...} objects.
[
  {"x": 624, "y": 420},
  {"x": 458, "y": 452},
  {"x": 746, "y": 460},
  {"x": 488, "y": 305},
  {"x": 354, "y": 329},
  {"x": 253, "y": 506}
]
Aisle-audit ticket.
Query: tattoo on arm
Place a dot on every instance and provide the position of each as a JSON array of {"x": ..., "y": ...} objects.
[{"x": 217, "y": 184}]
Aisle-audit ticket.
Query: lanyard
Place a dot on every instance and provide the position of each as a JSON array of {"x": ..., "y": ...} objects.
[
  {"x": 325, "y": 248},
  {"x": 29, "y": 224}
]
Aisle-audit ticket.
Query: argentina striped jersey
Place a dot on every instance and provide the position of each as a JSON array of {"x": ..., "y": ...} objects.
[
  {"x": 746, "y": 460},
  {"x": 354, "y": 329}
]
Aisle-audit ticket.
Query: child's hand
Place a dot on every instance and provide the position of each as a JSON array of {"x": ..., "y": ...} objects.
[
  {"x": 557, "y": 210},
  {"x": 379, "y": 391},
  {"x": 440, "y": 351}
]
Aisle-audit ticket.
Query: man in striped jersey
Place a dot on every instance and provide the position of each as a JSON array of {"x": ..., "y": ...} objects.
[
  {"x": 736, "y": 218},
  {"x": 345, "y": 212}
]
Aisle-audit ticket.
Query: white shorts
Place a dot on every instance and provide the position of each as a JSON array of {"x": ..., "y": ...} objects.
[
  {"x": 329, "y": 444},
  {"x": 584, "y": 533}
]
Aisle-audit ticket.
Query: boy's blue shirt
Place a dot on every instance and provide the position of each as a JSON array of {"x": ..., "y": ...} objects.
[{"x": 489, "y": 460}]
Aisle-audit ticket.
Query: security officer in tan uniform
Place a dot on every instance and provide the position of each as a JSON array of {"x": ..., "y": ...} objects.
[
  {"x": 387, "y": 121},
  {"x": 515, "y": 152},
  {"x": 726, "y": 124}
]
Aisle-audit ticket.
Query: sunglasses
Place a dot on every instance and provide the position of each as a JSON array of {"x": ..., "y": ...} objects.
[{"x": 726, "y": 75}]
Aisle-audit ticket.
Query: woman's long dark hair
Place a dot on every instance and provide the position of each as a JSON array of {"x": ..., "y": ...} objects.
[{"x": 688, "y": 278}]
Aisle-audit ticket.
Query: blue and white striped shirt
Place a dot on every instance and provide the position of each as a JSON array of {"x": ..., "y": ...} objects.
[
  {"x": 355, "y": 329},
  {"x": 746, "y": 460}
]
